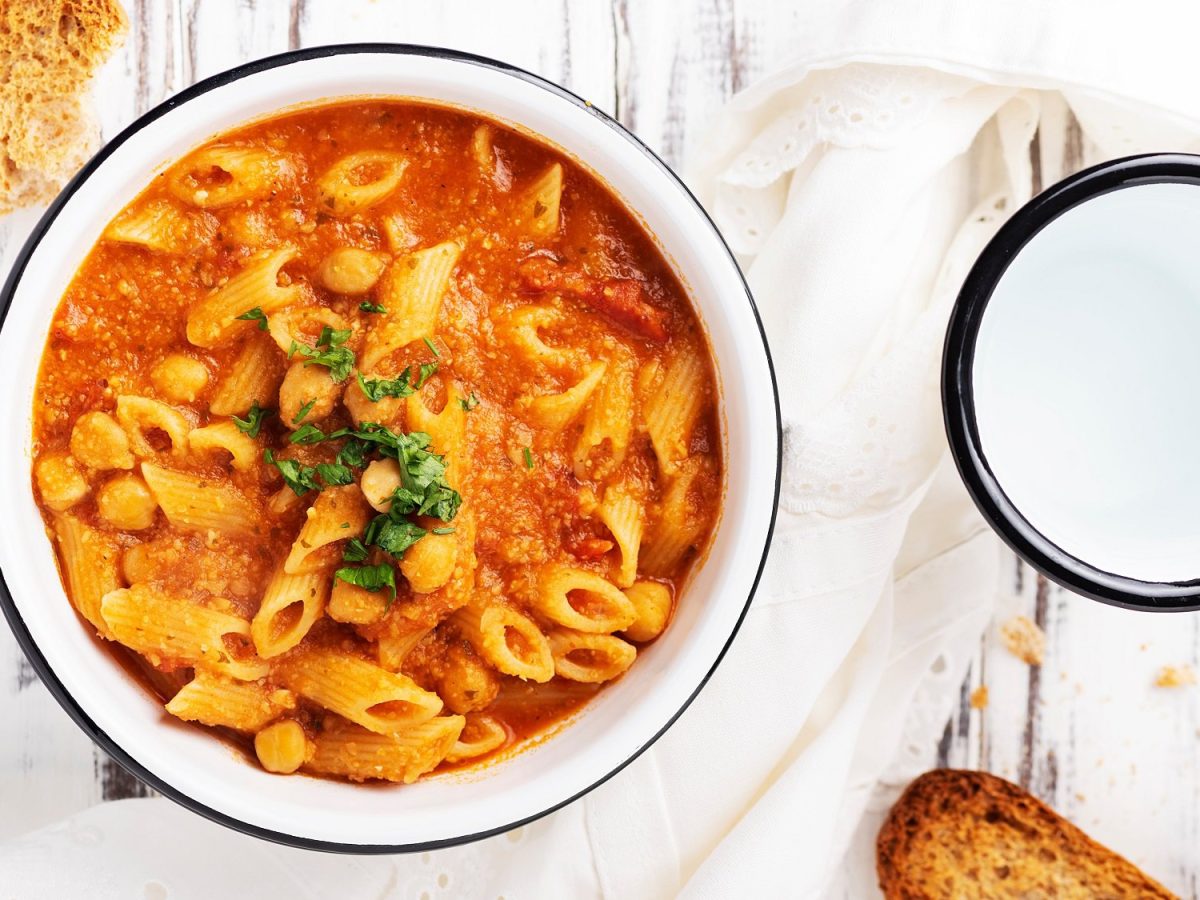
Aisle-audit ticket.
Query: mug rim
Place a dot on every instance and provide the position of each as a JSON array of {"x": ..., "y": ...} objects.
[
  {"x": 958, "y": 398},
  {"x": 8, "y": 605}
]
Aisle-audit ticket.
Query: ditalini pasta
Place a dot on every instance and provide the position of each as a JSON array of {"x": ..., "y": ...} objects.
[{"x": 378, "y": 437}]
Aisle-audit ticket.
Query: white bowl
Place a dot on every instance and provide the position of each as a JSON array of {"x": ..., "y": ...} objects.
[{"x": 206, "y": 775}]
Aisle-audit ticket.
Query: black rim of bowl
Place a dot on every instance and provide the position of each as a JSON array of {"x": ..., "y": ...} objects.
[
  {"x": 958, "y": 400},
  {"x": 25, "y": 639}
]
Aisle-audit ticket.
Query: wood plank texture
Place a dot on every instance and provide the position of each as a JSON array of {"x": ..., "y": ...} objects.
[{"x": 1087, "y": 731}]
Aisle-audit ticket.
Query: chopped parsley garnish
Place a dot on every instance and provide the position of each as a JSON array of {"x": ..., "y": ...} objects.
[
  {"x": 354, "y": 551},
  {"x": 423, "y": 490},
  {"x": 375, "y": 389},
  {"x": 329, "y": 352},
  {"x": 255, "y": 315},
  {"x": 252, "y": 424},
  {"x": 308, "y": 434},
  {"x": 370, "y": 578},
  {"x": 335, "y": 474},
  {"x": 304, "y": 411},
  {"x": 432, "y": 348},
  {"x": 299, "y": 477},
  {"x": 393, "y": 534},
  {"x": 367, "y": 306},
  {"x": 528, "y": 458},
  {"x": 469, "y": 403}
]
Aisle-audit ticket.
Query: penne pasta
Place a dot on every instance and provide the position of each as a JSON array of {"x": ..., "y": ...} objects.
[
  {"x": 608, "y": 420},
  {"x": 253, "y": 379},
  {"x": 522, "y": 328},
  {"x": 351, "y": 752},
  {"x": 555, "y": 412},
  {"x": 171, "y": 630},
  {"x": 672, "y": 407},
  {"x": 90, "y": 566},
  {"x": 141, "y": 415},
  {"x": 290, "y": 606},
  {"x": 482, "y": 734},
  {"x": 508, "y": 639},
  {"x": 622, "y": 514},
  {"x": 337, "y": 515},
  {"x": 678, "y": 528},
  {"x": 411, "y": 291},
  {"x": 212, "y": 699},
  {"x": 222, "y": 175},
  {"x": 582, "y": 600},
  {"x": 216, "y": 318},
  {"x": 243, "y": 450},
  {"x": 590, "y": 658},
  {"x": 359, "y": 181},
  {"x": 380, "y": 701},
  {"x": 539, "y": 210},
  {"x": 195, "y": 503}
]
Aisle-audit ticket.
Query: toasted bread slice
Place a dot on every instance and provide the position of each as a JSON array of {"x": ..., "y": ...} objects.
[
  {"x": 49, "y": 50},
  {"x": 965, "y": 835}
]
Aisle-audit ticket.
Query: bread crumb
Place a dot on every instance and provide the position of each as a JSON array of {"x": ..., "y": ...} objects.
[
  {"x": 979, "y": 697},
  {"x": 1024, "y": 640},
  {"x": 1175, "y": 676}
]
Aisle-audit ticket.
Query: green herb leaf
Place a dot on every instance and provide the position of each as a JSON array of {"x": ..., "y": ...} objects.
[
  {"x": 328, "y": 352},
  {"x": 255, "y": 315},
  {"x": 304, "y": 411},
  {"x": 370, "y": 578},
  {"x": 354, "y": 551},
  {"x": 252, "y": 424},
  {"x": 334, "y": 474},
  {"x": 528, "y": 458},
  {"x": 443, "y": 531},
  {"x": 432, "y": 348},
  {"x": 375, "y": 389},
  {"x": 369, "y": 307},
  {"x": 393, "y": 534},
  {"x": 307, "y": 434},
  {"x": 300, "y": 478},
  {"x": 469, "y": 403},
  {"x": 354, "y": 453},
  {"x": 427, "y": 369}
]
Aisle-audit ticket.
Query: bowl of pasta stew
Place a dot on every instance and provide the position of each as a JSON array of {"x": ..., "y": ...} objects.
[{"x": 407, "y": 421}]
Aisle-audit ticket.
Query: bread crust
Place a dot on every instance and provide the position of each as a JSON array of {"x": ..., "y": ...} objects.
[
  {"x": 49, "y": 50},
  {"x": 961, "y": 835}
]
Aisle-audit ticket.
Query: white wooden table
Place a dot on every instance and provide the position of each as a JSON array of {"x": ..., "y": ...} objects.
[{"x": 1087, "y": 731}]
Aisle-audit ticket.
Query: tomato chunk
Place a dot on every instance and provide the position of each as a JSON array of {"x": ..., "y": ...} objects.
[{"x": 622, "y": 300}]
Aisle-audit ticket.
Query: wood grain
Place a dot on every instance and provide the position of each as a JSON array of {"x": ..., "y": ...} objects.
[{"x": 1087, "y": 731}]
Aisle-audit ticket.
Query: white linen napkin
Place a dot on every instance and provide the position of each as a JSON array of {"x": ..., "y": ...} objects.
[{"x": 856, "y": 186}]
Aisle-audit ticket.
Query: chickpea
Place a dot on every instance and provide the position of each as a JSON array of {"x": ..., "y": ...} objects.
[
  {"x": 349, "y": 270},
  {"x": 358, "y": 606},
  {"x": 179, "y": 378},
  {"x": 304, "y": 384},
  {"x": 386, "y": 411},
  {"x": 429, "y": 563},
  {"x": 99, "y": 441},
  {"x": 652, "y": 602},
  {"x": 467, "y": 684},
  {"x": 282, "y": 747},
  {"x": 126, "y": 503},
  {"x": 138, "y": 564},
  {"x": 60, "y": 482},
  {"x": 379, "y": 481}
]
